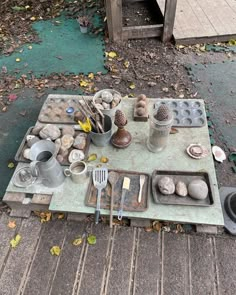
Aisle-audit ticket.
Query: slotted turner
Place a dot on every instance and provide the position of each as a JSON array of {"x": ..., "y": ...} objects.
[{"x": 100, "y": 176}]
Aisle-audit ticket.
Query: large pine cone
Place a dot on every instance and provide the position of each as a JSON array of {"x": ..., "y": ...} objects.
[
  {"x": 163, "y": 113},
  {"x": 120, "y": 119}
]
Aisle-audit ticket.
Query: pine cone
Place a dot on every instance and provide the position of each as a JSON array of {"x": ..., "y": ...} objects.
[
  {"x": 163, "y": 113},
  {"x": 120, "y": 119}
]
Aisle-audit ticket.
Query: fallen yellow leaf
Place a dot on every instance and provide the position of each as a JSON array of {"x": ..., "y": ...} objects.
[
  {"x": 44, "y": 216},
  {"x": 126, "y": 64},
  {"x": 15, "y": 241},
  {"x": 86, "y": 126},
  {"x": 27, "y": 7},
  {"x": 104, "y": 160},
  {"x": 33, "y": 18},
  {"x": 83, "y": 83},
  {"x": 61, "y": 216},
  {"x": 132, "y": 86},
  {"x": 12, "y": 224},
  {"x": 91, "y": 239},
  {"x": 11, "y": 165},
  {"x": 111, "y": 54},
  {"x": 55, "y": 250},
  {"x": 78, "y": 241},
  {"x": 92, "y": 157},
  {"x": 18, "y": 59},
  {"x": 91, "y": 76}
]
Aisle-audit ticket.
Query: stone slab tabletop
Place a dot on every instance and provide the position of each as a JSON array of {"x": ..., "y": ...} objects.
[{"x": 69, "y": 197}]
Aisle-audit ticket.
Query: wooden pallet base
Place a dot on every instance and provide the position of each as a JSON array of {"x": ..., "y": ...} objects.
[{"x": 23, "y": 204}]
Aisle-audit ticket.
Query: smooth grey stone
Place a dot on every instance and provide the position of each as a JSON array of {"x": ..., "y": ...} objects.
[
  {"x": 166, "y": 185},
  {"x": 181, "y": 189},
  {"x": 50, "y": 131},
  {"x": 80, "y": 141},
  {"x": 68, "y": 130},
  {"x": 198, "y": 189}
]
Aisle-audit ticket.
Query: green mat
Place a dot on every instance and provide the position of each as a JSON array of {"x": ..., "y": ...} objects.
[
  {"x": 13, "y": 127},
  {"x": 218, "y": 88},
  {"x": 64, "y": 49}
]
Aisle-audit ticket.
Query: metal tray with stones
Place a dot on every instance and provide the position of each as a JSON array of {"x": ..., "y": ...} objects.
[
  {"x": 19, "y": 154},
  {"x": 187, "y": 113},
  {"x": 186, "y": 177},
  {"x": 54, "y": 110},
  {"x": 131, "y": 197}
]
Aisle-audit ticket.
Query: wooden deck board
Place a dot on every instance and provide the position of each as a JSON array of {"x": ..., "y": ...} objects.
[{"x": 203, "y": 19}]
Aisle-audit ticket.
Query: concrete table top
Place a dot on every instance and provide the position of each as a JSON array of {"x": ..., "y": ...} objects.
[{"x": 69, "y": 197}]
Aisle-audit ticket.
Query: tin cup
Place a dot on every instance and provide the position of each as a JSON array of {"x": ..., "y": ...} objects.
[{"x": 77, "y": 171}]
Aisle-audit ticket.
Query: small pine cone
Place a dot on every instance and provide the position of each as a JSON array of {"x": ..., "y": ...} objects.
[
  {"x": 163, "y": 113},
  {"x": 120, "y": 118}
]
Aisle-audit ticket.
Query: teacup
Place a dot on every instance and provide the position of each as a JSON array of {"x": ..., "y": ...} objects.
[{"x": 78, "y": 171}]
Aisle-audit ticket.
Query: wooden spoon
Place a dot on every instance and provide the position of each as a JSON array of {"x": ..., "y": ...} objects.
[{"x": 113, "y": 177}]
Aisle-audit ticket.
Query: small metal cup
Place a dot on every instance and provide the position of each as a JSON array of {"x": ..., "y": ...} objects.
[{"x": 78, "y": 171}]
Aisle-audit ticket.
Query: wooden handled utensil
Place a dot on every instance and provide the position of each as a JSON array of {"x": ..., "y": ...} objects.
[{"x": 113, "y": 177}]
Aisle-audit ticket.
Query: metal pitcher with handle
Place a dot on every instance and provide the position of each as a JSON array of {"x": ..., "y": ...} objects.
[{"x": 44, "y": 164}]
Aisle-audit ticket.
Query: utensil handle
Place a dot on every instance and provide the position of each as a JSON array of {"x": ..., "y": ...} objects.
[
  {"x": 120, "y": 212},
  {"x": 97, "y": 211},
  {"x": 111, "y": 208},
  {"x": 97, "y": 215},
  {"x": 140, "y": 193}
]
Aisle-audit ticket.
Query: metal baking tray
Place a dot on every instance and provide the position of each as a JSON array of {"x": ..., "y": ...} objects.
[
  {"x": 19, "y": 154},
  {"x": 131, "y": 198},
  {"x": 186, "y": 177},
  {"x": 54, "y": 110},
  {"x": 187, "y": 113}
]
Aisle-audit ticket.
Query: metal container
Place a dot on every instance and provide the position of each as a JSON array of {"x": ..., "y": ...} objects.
[
  {"x": 158, "y": 133},
  {"x": 110, "y": 112},
  {"x": 102, "y": 139},
  {"x": 44, "y": 165}
]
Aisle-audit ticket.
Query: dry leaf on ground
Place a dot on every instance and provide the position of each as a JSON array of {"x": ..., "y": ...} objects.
[
  {"x": 55, "y": 250},
  {"x": 15, "y": 241},
  {"x": 91, "y": 239},
  {"x": 12, "y": 224},
  {"x": 92, "y": 157},
  {"x": 78, "y": 241}
]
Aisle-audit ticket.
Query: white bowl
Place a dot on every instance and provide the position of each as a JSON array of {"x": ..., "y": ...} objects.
[{"x": 110, "y": 112}]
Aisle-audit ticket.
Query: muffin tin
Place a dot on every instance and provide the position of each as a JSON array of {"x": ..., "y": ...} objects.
[
  {"x": 187, "y": 113},
  {"x": 54, "y": 110}
]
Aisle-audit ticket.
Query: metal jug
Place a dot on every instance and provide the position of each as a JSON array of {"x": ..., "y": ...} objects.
[{"x": 44, "y": 164}]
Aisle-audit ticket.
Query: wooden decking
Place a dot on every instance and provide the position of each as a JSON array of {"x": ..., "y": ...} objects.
[{"x": 203, "y": 20}]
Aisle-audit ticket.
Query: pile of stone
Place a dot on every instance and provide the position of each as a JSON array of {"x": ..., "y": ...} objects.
[
  {"x": 69, "y": 146},
  {"x": 106, "y": 100},
  {"x": 196, "y": 189}
]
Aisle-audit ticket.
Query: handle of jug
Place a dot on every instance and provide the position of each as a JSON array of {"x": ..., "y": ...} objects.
[{"x": 34, "y": 169}]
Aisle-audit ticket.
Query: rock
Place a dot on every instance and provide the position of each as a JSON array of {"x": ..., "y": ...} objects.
[
  {"x": 166, "y": 185},
  {"x": 75, "y": 155},
  {"x": 198, "y": 189},
  {"x": 68, "y": 130},
  {"x": 57, "y": 145},
  {"x": 99, "y": 106},
  {"x": 50, "y": 131},
  {"x": 80, "y": 141},
  {"x": 140, "y": 111},
  {"x": 106, "y": 96},
  {"x": 67, "y": 140},
  {"x": 63, "y": 151},
  {"x": 78, "y": 116},
  {"x": 116, "y": 98},
  {"x": 59, "y": 158},
  {"x": 181, "y": 189},
  {"x": 98, "y": 100},
  {"x": 32, "y": 139},
  {"x": 36, "y": 130},
  {"x": 26, "y": 154},
  {"x": 106, "y": 106}
]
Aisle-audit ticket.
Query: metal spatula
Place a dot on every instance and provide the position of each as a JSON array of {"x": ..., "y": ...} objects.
[{"x": 100, "y": 176}]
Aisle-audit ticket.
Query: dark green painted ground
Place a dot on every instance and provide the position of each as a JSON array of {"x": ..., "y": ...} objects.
[
  {"x": 64, "y": 49},
  {"x": 216, "y": 85}
]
